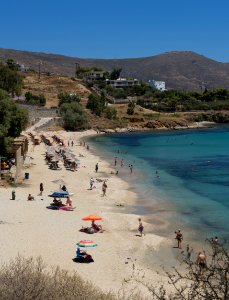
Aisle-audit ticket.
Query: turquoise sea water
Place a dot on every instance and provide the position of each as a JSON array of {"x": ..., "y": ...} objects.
[{"x": 182, "y": 177}]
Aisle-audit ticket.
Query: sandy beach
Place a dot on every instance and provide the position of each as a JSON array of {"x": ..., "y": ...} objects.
[{"x": 30, "y": 229}]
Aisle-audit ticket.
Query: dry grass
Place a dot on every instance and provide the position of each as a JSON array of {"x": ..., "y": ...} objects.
[
  {"x": 29, "y": 279},
  {"x": 51, "y": 86}
]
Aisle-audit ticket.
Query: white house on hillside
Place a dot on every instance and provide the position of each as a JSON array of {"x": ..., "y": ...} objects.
[
  {"x": 122, "y": 82},
  {"x": 159, "y": 85},
  {"x": 94, "y": 75}
]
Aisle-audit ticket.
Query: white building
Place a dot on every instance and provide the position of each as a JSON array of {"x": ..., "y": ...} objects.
[
  {"x": 159, "y": 85},
  {"x": 122, "y": 82},
  {"x": 94, "y": 75}
]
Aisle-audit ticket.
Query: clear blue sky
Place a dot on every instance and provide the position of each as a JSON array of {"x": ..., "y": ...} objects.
[{"x": 116, "y": 28}]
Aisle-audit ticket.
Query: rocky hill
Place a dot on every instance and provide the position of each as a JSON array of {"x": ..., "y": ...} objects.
[{"x": 183, "y": 70}]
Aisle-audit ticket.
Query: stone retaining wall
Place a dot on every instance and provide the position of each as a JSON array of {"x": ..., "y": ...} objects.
[{"x": 37, "y": 112}]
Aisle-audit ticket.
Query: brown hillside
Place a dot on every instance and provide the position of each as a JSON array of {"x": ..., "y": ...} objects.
[
  {"x": 51, "y": 86},
  {"x": 180, "y": 70}
]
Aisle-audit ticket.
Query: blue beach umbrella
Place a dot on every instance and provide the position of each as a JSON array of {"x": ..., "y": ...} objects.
[{"x": 61, "y": 194}]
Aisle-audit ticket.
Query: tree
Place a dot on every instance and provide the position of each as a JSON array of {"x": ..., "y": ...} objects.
[
  {"x": 74, "y": 116},
  {"x": 96, "y": 103},
  {"x": 10, "y": 80},
  {"x": 12, "y": 65},
  {"x": 130, "y": 109},
  {"x": 13, "y": 119},
  {"x": 115, "y": 73}
]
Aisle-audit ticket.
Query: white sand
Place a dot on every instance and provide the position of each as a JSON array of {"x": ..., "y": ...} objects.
[{"x": 32, "y": 230}]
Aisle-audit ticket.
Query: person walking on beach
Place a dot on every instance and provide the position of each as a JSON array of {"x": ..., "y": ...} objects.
[
  {"x": 91, "y": 183},
  {"x": 104, "y": 188},
  {"x": 140, "y": 227},
  {"x": 72, "y": 143},
  {"x": 96, "y": 167},
  {"x": 122, "y": 162},
  {"x": 41, "y": 188},
  {"x": 131, "y": 168},
  {"x": 115, "y": 161},
  {"x": 201, "y": 260},
  {"x": 179, "y": 238}
]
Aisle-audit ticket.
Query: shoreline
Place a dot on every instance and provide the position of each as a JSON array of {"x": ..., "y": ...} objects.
[
  {"x": 30, "y": 229},
  {"x": 195, "y": 125}
]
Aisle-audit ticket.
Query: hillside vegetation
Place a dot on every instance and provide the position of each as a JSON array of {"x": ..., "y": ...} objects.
[
  {"x": 162, "y": 111},
  {"x": 183, "y": 70}
]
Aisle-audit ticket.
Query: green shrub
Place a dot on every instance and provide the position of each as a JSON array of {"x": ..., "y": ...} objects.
[
  {"x": 35, "y": 99},
  {"x": 67, "y": 98},
  {"x": 130, "y": 109},
  {"x": 110, "y": 113},
  {"x": 74, "y": 116}
]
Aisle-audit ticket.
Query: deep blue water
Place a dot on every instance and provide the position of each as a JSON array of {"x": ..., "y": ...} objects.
[{"x": 182, "y": 177}]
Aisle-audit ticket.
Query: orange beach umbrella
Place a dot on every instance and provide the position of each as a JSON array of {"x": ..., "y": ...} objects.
[{"x": 91, "y": 218}]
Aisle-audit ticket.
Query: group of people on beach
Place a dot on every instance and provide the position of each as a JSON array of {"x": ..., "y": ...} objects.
[
  {"x": 104, "y": 186},
  {"x": 122, "y": 165},
  {"x": 70, "y": 143},
  {"x": 201, "y": 259}
]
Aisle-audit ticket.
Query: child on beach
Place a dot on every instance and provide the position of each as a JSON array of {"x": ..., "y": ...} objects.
[
  {"x": 69, "y": 202},
  {"x": 140, "y": 227},
  {"x": 91, "y": 183}
]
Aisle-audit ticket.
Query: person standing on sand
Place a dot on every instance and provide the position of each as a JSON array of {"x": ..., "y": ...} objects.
[
  {"x": 72, "y": 143},
  {"x": 96, "y": 167},
  {"x": 201, "y": 260},
  {"x": 115, "y": 161},
  {"x": 104, "y": 188},
  {"x": 140, "y": 227},
  {"x": 91, "y": 183},
  {"x": 179, "y": 238},
  {"x": 41, "y": 188}
]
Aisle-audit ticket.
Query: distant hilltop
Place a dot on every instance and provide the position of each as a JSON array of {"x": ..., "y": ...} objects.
[{"x": 182, "y": 70}]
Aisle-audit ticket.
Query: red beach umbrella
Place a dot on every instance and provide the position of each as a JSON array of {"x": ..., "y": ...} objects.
[{"x": 92, "y": 218}]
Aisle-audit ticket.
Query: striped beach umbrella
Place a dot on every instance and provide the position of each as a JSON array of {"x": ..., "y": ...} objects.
[{"x": 86, "y": 244}]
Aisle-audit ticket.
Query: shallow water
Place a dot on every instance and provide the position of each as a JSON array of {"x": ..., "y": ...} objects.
[{"x": 182, "y": 177}]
